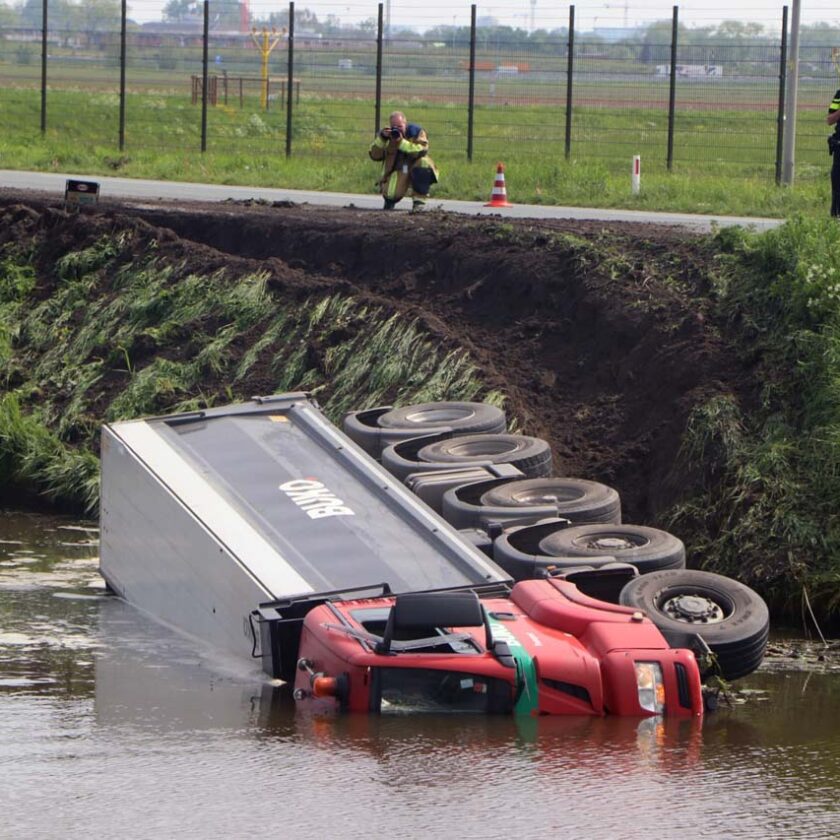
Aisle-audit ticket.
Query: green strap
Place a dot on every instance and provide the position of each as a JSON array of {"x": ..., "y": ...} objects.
[{"x": 526, "y": 671}]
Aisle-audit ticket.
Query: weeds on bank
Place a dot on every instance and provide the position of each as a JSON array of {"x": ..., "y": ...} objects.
[
  {"x": 773, "y": 477},
  {"x": 119, "y": 338},
  {"x": 33, "y": 459}
]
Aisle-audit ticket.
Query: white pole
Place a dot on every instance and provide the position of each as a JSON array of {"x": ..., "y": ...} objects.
[
  {"x": 636, "y": 177},
  {"x": 789, "y": 134}
]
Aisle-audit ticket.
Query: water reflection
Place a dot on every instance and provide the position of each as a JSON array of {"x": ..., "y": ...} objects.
[{"x": 110, "y": 721}]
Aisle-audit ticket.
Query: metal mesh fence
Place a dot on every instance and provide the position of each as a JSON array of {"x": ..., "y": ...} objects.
[{"x": 253, "y": 92}]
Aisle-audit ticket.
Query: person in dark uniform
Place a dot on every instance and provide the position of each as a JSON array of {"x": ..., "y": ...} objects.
[{"x": 833, "y": 118}]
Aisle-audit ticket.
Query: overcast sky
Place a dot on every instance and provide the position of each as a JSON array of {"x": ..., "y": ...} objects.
[{"x": 545, "y": 15}]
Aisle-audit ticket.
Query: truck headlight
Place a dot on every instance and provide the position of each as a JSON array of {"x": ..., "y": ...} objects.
[{"x": 650, "y": 686}]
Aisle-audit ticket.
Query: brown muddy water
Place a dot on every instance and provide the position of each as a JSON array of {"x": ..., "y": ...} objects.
[{"x": 112, "y": 726}]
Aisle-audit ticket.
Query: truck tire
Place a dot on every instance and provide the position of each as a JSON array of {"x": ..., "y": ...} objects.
[
  {"x": 523, "y": 564},
  {"x": 529, "y": 454},
  {"x": 648, "y": 549},
  {"x": 464, "y": 418},
  {"x": 731, "y": 618},
  {"x": 576, "y": 499}
]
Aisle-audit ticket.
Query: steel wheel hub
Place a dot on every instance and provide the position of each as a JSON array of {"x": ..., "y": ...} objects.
[
  {"x": 612, "y": 544},
  {"x": 693, "y": 609}
]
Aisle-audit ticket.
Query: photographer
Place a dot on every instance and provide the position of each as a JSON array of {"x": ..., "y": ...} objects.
[
  {"x": 407, "y": 168},
  {"x": 833, "y": 118}
]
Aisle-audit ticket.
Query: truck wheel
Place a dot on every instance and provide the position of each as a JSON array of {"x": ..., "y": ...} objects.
[
  {"x": 577, "y": 500},
  {"x": 462, "y": 417},
  {"x": 648, "y": 549},
  {"x": 731, "y": 619},
  {"x": 531, "y": 455}
]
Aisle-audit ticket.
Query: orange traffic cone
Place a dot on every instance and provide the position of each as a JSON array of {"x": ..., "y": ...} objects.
[{"x": 498, "y": 198}]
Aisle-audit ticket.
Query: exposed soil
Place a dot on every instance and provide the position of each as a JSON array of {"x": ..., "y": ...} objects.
[{"x": 602, "y": 356}]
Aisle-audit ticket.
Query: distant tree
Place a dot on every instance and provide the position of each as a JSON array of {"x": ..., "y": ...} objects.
[
  {"x": 9, "y": 17},
  {"x": 225, "y": 15},
  {"x": 176, "y": 10},
  {"x": 63, "y": 15},
  {"x": 98, "y": 15},
  {"x": 369, "y": 26},
  {"x": 817, "y": 42},
  {"x": 656, "y": 43},
  {"x": 736, "y": 30},
  {"x": 304, "y": 19}
]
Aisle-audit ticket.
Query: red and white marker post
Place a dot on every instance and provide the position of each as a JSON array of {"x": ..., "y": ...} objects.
[{"x": 636, "y": 177}]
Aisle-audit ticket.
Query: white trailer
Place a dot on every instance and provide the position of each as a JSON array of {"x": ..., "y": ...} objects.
[{"x": 207, "y": 515}]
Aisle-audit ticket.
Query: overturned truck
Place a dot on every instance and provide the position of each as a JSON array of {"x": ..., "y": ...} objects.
[{"x": 420, "y": 559}]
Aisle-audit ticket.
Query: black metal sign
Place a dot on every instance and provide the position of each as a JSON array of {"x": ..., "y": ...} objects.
[{"x": 81, "y": 192}]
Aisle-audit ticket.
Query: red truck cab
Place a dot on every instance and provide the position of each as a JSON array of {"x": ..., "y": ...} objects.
[{"x": 545, "y": 649}]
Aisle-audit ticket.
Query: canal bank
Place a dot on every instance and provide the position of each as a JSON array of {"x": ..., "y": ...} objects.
[{"x": 620, "y": 346}]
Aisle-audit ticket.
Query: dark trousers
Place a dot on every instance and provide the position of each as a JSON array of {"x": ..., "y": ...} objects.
[{"x": 835, "y": 185}]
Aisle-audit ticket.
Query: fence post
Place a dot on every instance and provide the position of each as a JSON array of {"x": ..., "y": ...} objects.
[
  {"x": 123, "y": 13},
  {"x": 204, "y": 50},
  {"x": 780, "y": 116},
  {"x": 291, "y": 79},
  {"x": 378, "y": 106},
  {"x": 471, "y": 101},
  {"x": 789, "y": 137},
  {"x": 672, "y": 93},
  {"x": 570, "y": 67},
  {"x": 44, "y": 67}
]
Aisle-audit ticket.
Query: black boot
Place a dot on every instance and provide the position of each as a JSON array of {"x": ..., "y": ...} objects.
[{"x": 390, "y": 204}]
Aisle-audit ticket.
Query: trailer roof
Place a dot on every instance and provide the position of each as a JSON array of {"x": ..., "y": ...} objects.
[{"x": 299, "y": 504}]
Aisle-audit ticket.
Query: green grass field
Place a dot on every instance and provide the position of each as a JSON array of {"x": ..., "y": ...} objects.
[{"x": 723, "y": 154}]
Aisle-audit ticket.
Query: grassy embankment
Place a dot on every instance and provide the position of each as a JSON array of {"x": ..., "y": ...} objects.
[
  {"x": 772, "y": 471},
  {"x": 723, "y": 159},
  {"x": 118, "y": 338},
  {"x": 111, "y": 336}
]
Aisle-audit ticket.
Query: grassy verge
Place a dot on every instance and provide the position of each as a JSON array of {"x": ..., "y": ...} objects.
[
  {"x": 772, "y": 470},
  {"x": 718, "y": 166},
  {"x": 118, "y": 337}
]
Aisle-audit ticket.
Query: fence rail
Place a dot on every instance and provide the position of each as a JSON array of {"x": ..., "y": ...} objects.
[{"x": 682, "y": 105}]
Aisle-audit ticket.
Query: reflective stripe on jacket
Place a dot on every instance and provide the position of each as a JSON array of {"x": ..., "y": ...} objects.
[{"x": 398, "y": 159}]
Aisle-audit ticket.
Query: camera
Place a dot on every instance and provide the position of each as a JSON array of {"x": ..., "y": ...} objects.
[{"x": 395, "y": 133}]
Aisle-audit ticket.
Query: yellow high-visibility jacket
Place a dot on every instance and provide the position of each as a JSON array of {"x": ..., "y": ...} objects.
[{"x": 400, "y": 159}]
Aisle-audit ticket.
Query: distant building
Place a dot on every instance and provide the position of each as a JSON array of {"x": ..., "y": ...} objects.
[
  {"x": 691, "y": 71},
  {"x": 613, "y": 34}
]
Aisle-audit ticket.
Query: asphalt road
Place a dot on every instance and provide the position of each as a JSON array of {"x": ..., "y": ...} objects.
[{"x": 130, "y": 188}]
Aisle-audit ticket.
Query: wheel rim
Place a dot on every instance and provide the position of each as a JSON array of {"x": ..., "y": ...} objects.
[
  {"x": 611, "y": 542},
  {"x": 439, "y": 416},
  {"x": 692, "y": 608},
  {"x": 544, "y": 497},
  {"x": 547, "y": 497},
  {"x": 476, "y": 449}
]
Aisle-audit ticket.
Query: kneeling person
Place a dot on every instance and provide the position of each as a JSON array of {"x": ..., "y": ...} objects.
[{"x": 403, "y": 148}]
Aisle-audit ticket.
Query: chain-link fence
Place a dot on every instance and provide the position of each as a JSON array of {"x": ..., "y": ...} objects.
[{"x": 213, "y": 82}]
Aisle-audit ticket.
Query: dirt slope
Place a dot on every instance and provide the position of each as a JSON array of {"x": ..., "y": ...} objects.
[{"x": 601, "y": 335}]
